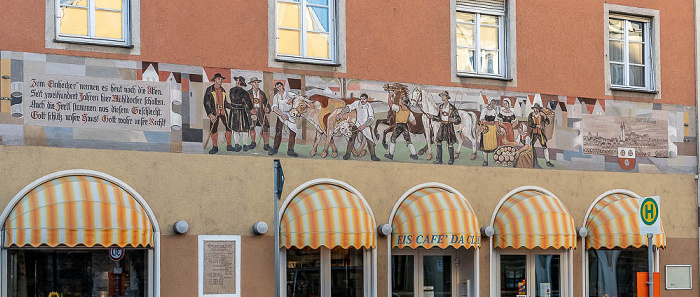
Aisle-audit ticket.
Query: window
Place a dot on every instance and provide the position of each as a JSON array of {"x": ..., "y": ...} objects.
[
  {"x": 306, "y": 30},
  {"x": 311, "y": 272},
  {"x": 480, "y": 35},
  {"x": 614, "y": 272},
  {"x": 93, "y": 21},
  {"x": 76, "y": 272},
  {"x": 629, "y": 52}
]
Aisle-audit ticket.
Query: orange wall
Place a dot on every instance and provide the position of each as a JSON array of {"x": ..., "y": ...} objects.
[{"x": 559, "y": 43}]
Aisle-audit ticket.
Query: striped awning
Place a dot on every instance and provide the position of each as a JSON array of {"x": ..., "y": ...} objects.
[
  {"x": 327, "y": 215},
  {"x": 78, "y": 210},
  {"x": 531, "y": 218},
  {"x": 432, "y": 217},
  {"x": 613, "y": 222}
]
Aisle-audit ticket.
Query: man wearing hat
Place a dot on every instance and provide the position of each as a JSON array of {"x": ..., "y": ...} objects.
[
  {"x": 404, "y": 116},
  {"x": 536, "y": 121},
  {"x": 448, "y": 117},
  {"x": 258, "y": 114},
  {"x": 239, "y": 121},
  {"x": 215, "y": 105}
]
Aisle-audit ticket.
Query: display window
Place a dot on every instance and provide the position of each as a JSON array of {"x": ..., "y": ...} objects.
[{"x": 432, "y": 272}]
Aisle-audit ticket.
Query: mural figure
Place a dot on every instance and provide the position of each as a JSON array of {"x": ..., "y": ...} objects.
[
  {"x": 323, "y": 113},
  {"x": 364, "y": 117},
  {"x": 537, "y": 121},
  {"x": 398, "y": 92},
  {"x": 523, "y": 156},
  {"x": 449, "y": 116},
  {"x": 282, "y": 105},
  {"x": 215, "y": 105},
  {"x": 239, "y": 121},
  {"x": 258, "y": 114},
  {"x": 403, "y": 116},
  {"x": 506, "y": 120},
  {"x": 489, "y": 136}
]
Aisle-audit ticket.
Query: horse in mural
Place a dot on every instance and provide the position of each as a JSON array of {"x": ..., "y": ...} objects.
[
  {"x": 466, "y": 129},
  {"x": 398, "y": 92},
  {"x": 323, "y": 113}
]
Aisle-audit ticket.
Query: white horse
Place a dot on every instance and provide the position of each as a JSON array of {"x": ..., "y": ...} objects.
[{"x": 466, "y": 129}]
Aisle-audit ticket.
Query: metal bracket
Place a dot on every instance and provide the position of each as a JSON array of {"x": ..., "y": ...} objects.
[
  {"x": 5, "y": 77},
  {"x": 5, "y": 98}
]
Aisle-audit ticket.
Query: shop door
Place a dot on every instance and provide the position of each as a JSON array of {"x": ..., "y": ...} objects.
[
  {"x": 437, "y": 276},
  {"x": 531, "y": 274},
  {"x": 434, "y": 273}
]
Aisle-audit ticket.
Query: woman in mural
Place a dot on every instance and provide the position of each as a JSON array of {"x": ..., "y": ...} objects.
[
  {"x": 523, "y": 156},
  {"x": 506, "y": 121},
  {"x": 489, "y": 141}
]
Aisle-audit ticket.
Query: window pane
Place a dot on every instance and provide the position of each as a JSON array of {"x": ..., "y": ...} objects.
[
  {"x": 288, "y": 42},
  {"x": 319, "y": 2},
  {"x": 465, "y": 17},
  {"x": 303, "y": 272},
  {"x": 108, "y": 24},
  {"x": 317, "y": 18},
  {"x": 109, "y": 4},
  {"x": 614, "y": 272},
  {"x": 402, "y": 276},
  {"x": 617, "y": 74},
  {"x": 636, "y": 53},
  {"x": 83, "y": 3},
  {"x": 465, "y": 60},
  {"x": 74, "y": 21},
  {"x": 347, "y": 273},
  {"x": 489, "y": 20},
  {"x": 437, "y": 275},
  {"x": 616, "y": 52},
  {"x": 488, "y": 37},
  {"x": 288, "y": 15},
  {"x": 465, "y": 35},
  {"x": 637, "y": 76},
  {"x": 317, "y": 45},
  {"x": 513, "y": 275},
  {"x": 74, "y": 273},
  {"x": 547, "y": 276},
  {"x": 636, "y": 31},
  {"x": 615, "y": 29},
  {"x": 489, "y": 62}
]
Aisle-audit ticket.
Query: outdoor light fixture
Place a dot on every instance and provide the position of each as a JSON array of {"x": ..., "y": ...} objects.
[
  {"x": 181, "y": 227},
  {"x": 582, "y": 232},
  {"x": 487, "y": 231},
  {"x": 260, "y": 228},
  {"x": 384, "y": 229}
]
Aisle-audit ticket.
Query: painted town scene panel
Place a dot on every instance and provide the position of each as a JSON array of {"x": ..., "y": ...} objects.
[{"x": 80, "y": 102}]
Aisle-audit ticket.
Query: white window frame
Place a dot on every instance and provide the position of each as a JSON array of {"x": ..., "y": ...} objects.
[
  {"x": 368, "y": 270},
  {"x": 502, "y": 57},
  {"x": 332, "y": 33},
  {"x": 91, "y": 38},
  {"x": 418, "y": 272},
  {"x": 647, "y": 41}
]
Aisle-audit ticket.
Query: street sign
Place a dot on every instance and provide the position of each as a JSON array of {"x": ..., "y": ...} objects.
[
  {"x": 649, "y": 215},
  {"x": 279, "y": 177},
  {"x": 116, "y": 254}
]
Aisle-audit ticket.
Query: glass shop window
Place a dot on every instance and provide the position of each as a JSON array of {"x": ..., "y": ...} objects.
[
  {"x": 614, "y": 272},
  {"x": 306, "y": 268},
  {"x": 74, "y": 273}
]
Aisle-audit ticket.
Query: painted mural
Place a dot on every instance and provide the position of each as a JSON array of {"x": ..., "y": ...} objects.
[{"x": 133, "y": 105}]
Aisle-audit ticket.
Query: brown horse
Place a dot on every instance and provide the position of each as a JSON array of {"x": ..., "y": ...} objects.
[{"x": 398, "y": 92}]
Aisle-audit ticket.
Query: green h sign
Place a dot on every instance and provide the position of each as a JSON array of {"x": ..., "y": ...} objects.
[{"x": 649, "y": 213}]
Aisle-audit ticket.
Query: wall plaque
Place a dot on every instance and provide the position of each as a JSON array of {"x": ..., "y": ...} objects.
[{"x": 219, "y": 265}]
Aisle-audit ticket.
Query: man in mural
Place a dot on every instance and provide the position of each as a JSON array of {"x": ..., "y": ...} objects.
[
  {"x": 363, "y": 122},
  {"x": 261, "y": 107},
  {"x": 403, "y": 117},
  {"x": 282, "y": 105},
  {"x": 239, "y": 121},
  {"x": 448, "y": 117},
  {"x": 536, "y": 121},
  {"x": 489, "y": 137},
  {"x": 215, "y": 105}
]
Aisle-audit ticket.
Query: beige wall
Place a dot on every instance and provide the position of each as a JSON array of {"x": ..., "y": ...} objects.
[{"x": 227, "y": 194}]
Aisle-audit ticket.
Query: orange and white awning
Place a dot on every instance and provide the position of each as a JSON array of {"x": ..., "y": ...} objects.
[
  {"x": 78, "y": 210},
  {"x": 531, "y": 218},
  {"x": 327, "y": 215},
  {"x": 613, "y": 222},
  {"x": 435, "y": 217}
]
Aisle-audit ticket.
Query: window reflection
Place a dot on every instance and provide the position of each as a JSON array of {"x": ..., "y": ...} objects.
[{"x": 614, "y": 272}]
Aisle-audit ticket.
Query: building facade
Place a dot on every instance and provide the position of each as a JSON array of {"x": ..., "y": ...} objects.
[{"x": 454, "y": 148}]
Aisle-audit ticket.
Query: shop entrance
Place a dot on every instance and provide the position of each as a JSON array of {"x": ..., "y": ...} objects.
[
  {"x": 531, "y": 274},
  {"x": 432, "y": 272}
]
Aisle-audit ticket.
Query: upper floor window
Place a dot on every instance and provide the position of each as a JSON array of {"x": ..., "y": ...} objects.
[
  {"x": 480, "y": 29},
  {"x": 306, "y": 30},
  {"x": 629, "y": 52},
  {"x": 93, "y": 21}
]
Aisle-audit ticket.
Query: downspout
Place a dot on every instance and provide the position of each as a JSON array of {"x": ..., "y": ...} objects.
[{"x": 697, "y": 109}]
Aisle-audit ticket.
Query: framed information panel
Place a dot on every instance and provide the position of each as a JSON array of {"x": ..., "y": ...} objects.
[
  {"x": 679, "y": 277},
  {"x": 219, "y": 265}
]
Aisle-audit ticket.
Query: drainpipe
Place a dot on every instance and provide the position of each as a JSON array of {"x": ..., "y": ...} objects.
[{"x": 697, "y": 106}]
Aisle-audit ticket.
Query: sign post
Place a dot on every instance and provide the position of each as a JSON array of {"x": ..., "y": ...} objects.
[
  {"x": 278, "y": 185},
  {"x": 649, "y": 224}
]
